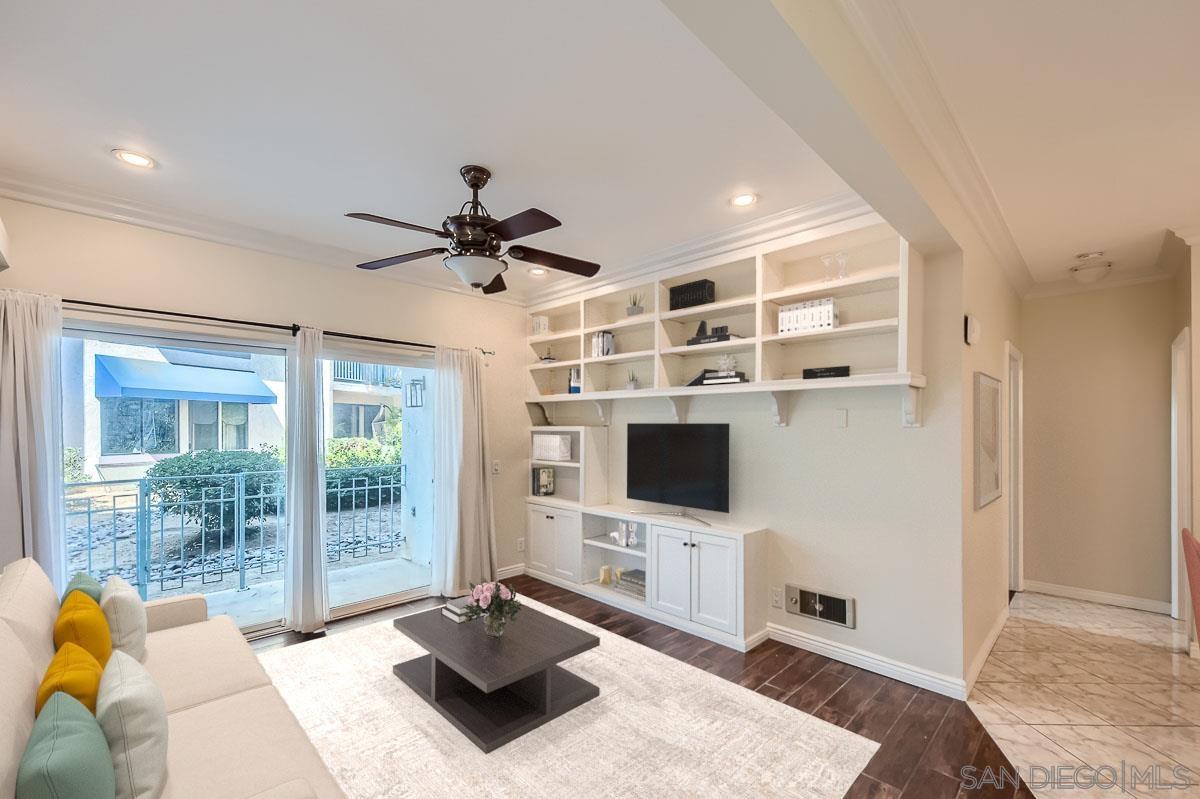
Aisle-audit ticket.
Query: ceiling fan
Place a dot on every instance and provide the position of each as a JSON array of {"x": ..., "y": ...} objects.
[{"x": 475, "y": 240}]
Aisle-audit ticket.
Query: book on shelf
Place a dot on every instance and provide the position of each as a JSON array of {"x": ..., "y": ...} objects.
[
  {"x": 711, "y": 338},
  {"x": 457, "y": 607},
  {"x": 454, "y": 617},
  {"x": 714, "y": 377},
  {"x": 801, "y": 317},
  {"x": 820, "y": 372},
  {"x": 630, "y": 591}
]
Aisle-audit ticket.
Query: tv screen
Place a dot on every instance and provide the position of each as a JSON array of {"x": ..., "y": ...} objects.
[{"x": 679, "y": 464}]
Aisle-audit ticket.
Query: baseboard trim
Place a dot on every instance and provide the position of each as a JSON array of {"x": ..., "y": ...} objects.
[
  {"x": 505, "y": 572},
  {"x": 981, "y": 656},
  {"x": 953, "y": 687},
  {"x": 1102, "y": 597}
]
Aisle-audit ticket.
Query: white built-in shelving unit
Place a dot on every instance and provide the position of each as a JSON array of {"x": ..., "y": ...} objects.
[{"x": 879, "y": 335}]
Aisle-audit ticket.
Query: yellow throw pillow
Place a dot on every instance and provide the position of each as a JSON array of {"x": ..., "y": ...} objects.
[
  {"x": 73, "y": 671},
  {"x": 82, "y": 622}
]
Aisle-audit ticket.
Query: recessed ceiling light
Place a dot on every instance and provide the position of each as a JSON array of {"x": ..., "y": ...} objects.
[
  {"x": 134, "y": 159},
  {"x": 742, "y": 200},
  {"x": 537, "y": 271}
]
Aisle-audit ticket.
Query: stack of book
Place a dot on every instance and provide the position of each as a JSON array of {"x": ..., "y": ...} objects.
[
  {"x": 602, "y": 344},
  {"x": 631, "y": 582},
  {"x": 456, "y": 609},
  {"x": 812, "y": 315},
  {"x": 714, "y": 377}
]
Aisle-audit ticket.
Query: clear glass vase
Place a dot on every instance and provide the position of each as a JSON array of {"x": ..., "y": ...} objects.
[{"x": 494, "y": 625}]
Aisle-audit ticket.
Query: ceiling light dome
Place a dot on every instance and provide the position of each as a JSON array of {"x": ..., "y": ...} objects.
[
  {"x": 139, "y": 160},
  {"x": 476, "y": 271},
  {"x": 742, "y": 200},
  {"x": 1091, "y": 271}
]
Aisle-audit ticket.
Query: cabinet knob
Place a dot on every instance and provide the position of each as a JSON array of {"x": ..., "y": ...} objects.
[
  {"x": 693, "y": 546},
  {"x": 550, "y": 518},
  {"x": 686, "y": 544}
]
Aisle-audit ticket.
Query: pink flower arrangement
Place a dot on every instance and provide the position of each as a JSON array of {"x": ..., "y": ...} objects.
[{"x": 496, "y": 602}]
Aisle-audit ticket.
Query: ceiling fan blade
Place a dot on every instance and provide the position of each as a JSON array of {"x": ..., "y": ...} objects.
[
  {"x": 383, "y": 220},
  {"x": 496, "y": 286},
  {"x": 525, "y": 223},
  {"x": 400, "y": 259},
  {"x": 563, "y": 263}
]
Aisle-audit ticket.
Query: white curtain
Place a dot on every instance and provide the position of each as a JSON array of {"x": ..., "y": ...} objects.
[
  {"x": 31, "y": 521},
  {"x": 307, "y": 603},
  {"x": 464, "y": 543}
]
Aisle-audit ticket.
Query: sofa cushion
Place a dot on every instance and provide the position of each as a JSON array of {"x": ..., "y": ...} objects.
[
  {"x": 73, "y": 671},
  {"x": 132, "y": 714},
  {"x": 29, "y": 604},
  {"x": 200, "y": 662},
  {"x": 82, "y": 622},
  {"x": 126, "y": 615},
  {"x": 18, "y": 687},
  {"x": 241, "y": 746},
  {"x": 82, "y": 581},
  {"x": 66, "y": 755}
]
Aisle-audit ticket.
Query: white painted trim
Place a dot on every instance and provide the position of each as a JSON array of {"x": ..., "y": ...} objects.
[
  {"x": 977, "y": 662},
  {"x": 1015, "y": 474},
  {"x": 1102, "y": 597},
  {"x": 724, "y": 245},
  {"x": 1181, "y": 469},
  {"x": 953, "y": 687},
  {"x": 508, "y": 572},
  {"x": 888, "y": 37}
]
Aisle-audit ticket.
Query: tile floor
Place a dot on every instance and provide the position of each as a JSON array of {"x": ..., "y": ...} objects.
[{"x": 1103, "y": 691}]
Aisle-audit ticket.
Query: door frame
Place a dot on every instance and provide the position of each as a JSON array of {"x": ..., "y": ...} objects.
[
  {"x": 1181, "y": 467},
  {"x": 1014, "y": 394}
]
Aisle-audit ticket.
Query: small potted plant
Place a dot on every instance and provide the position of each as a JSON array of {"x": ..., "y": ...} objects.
[
  {"x": 631, "y": 383},
  {"x": 496, "y": 603},
  {"x": 635, "y": 306}
]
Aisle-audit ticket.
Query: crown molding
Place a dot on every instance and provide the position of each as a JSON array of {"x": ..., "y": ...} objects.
[
  {"x": 887, "y": 35},
  {"x": 64, "y": 197},
  {"x": 827, "y": 211},
  {"x": 1189, "y": 234}
]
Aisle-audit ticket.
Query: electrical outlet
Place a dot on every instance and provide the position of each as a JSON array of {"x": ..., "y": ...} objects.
[
  {"x": 777, "y": 598},
  {"x": 521, "y": 546},
  {"x": 841, "y": 418},
  {"x": 496, "y": 467}
]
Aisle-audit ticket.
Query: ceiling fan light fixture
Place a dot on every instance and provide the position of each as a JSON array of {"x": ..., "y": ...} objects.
[
  {"x": 1090, "y": 272},
  {"x": 537, "y": 271},
  {"x": 476, "y": 271}
]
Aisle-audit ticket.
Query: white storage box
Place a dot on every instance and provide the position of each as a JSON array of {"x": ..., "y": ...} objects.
[{"x": 551, "y": 447}]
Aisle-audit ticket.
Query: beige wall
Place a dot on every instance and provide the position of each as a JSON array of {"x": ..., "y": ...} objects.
[
  {"x": 82, "y": 257},
  {"x": 1097, "y": 433}
]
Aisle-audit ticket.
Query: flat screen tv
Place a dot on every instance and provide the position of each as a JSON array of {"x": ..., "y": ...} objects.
[{"x": 679, "y": 464}]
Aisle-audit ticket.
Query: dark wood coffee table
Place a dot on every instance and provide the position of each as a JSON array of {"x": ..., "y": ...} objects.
[{"x": 496, "y": 689}]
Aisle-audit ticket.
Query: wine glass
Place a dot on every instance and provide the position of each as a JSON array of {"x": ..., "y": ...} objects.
[
  {"x": 843, "y": 258},
  {"x": 827, "y": 261}
]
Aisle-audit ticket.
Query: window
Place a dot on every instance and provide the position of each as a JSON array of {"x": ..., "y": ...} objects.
[
  {"x": 138, "y": 426},
  {"x": 219, "y": 425},
  {"x": 354, "y": 420}
]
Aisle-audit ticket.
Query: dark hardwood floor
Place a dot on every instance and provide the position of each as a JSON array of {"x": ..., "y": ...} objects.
[{"x": 925, "y": 739}]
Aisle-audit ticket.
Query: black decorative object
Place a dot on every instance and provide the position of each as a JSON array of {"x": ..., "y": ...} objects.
[
  {"x": 698, "y": 292},
  {"x": 826, "y": 371}
]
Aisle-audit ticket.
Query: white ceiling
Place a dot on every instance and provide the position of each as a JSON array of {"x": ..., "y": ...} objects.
[
  {"x": 1083, "y": 114},
  {"x": 283, "y": 116}
]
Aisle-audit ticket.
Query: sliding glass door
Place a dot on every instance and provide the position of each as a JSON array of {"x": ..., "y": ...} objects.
[
  {"x": 378, "y": 481},
  {"x": 174, "y": 474}
]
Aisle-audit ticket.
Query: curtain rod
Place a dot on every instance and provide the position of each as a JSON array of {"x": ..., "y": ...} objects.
[{"x": 292, "y": 328}]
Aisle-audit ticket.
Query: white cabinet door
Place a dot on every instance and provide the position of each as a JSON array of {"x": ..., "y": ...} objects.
[
  {"x": 540, "y": 532},
  {"x": 671, "y": 565},
  {"x": 714, "y": 581},
  {"x": 568, "y": 544}
]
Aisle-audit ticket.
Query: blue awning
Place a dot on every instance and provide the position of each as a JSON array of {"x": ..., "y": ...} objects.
[{"x": 133, "y": 377}]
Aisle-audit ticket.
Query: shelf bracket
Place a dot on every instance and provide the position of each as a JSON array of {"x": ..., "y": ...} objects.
[
  {"x": 911, "y": 412},
  {"x": 679, "y": 408},
  {"x": 779, "y": 408},
  {"x": 604, "y": 411}
]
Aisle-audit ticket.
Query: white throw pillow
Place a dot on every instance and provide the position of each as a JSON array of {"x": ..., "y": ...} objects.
[
  {"x": 126, "y": 615},
  {"x": 133, "y": 716}
]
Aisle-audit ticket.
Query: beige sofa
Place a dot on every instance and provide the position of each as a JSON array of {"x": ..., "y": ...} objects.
[{"x": 230, "y": 732}]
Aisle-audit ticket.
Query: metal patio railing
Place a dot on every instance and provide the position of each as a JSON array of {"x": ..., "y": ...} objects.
[{"x": 210, "y": 532}]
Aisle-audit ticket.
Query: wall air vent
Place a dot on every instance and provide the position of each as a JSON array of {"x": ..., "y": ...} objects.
[{"x": 820, "y": 605}]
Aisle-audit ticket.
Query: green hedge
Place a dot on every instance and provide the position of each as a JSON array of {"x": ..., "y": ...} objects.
[
  {"x": 204, "y": 474},
  {"x": 355, "y": 468}
]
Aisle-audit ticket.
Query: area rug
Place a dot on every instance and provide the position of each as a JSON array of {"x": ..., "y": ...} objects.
[{"x": 660, "y": 728}]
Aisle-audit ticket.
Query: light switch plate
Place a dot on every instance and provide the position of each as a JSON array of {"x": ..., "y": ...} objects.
[
  {"x": 495, "y": 467},
  {"x": 841, "y": 418}
]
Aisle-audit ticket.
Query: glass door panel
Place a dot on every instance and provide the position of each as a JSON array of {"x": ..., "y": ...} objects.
[
  {"x": 171, "y": 483},
  {"x": 378, "y": 481}
]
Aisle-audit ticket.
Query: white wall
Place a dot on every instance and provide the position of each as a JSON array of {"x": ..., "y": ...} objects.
[
  {"x": 82, "y": 257},
  {"x": 1098, "y": 449}
]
